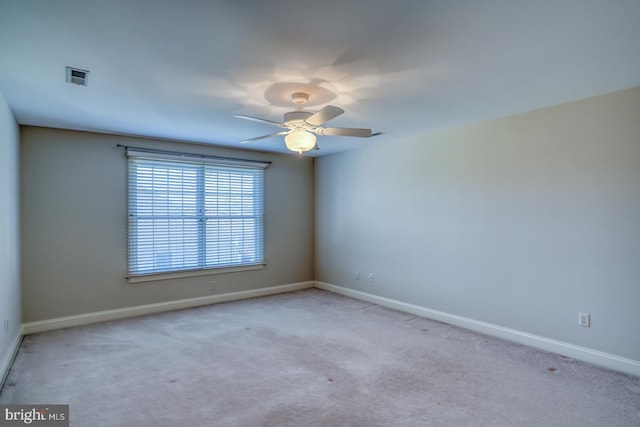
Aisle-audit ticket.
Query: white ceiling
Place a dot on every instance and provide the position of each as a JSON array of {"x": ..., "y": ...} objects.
[{"x": 181, "y": 69}]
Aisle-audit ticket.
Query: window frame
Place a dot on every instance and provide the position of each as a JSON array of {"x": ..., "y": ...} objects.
[{"x": 204, "y": 164}]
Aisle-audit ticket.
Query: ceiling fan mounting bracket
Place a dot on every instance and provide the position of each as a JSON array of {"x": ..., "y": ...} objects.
[{"x": 299, "y": 98}]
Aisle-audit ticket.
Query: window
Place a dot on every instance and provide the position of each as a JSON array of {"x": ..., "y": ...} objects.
[{"x": 193, "y": 215}]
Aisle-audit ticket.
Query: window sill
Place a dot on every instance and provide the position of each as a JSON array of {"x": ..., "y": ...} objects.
[{"x": 192, "y": 273}]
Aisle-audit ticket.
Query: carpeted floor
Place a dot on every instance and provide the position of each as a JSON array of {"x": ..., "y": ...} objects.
[{"x": 309, "y": 358}]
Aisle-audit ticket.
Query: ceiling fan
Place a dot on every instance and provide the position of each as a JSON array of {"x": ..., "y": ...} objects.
[{"x": 300, "y": 126}]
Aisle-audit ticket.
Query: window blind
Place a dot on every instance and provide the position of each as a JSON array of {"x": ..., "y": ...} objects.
[{"x": 193, "y": 215}]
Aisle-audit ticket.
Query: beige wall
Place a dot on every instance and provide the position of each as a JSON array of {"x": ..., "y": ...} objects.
[
  {"x": 75, "y": 235},
  {"x": 521, "y": 222},
  {"x": 10, "y": 306}
]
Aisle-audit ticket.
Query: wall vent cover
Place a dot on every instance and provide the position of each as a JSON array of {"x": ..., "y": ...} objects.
[{"x": 77, "y": 76}]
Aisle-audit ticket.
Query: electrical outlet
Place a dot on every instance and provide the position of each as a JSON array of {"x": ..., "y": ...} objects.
[
  {"x": 372, "y": 277},
  {"x": 584, "y": 319},
  {"x": 212, "y": 285},
  {"x": 357, "y": 274}
]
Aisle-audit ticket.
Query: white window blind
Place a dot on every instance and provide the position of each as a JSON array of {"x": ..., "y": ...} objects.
[{"x": 193, "y": 215}]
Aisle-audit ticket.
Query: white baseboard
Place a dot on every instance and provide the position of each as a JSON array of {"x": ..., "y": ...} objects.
[
  {"x": 606, "y": 360},
  {"x": 8, "y": 357},
  {"x": 122, "y": 313},
  {"x": 596, "y": 357}
]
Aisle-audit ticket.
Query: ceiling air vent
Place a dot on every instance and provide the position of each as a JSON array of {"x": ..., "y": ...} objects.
[{"x": 77, "y": 76}]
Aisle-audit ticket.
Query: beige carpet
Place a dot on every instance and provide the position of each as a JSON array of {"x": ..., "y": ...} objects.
[{"x": 309, "y": 358}]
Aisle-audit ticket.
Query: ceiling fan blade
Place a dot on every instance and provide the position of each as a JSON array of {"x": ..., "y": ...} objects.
[
  {"x": 264, "y": 137},
  {"x": 327, "y": 113},
  {"x": 256, "y": 119},
  {"x": 362, "y": 133}
]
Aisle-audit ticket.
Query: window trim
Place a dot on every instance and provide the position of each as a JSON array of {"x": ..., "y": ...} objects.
[{"x": 152, "y": 277}]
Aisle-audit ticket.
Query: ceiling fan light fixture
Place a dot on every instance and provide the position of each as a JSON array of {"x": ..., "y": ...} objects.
[
  {"x": 303, "y": 126},
  {"x": 300, "y": 141}
]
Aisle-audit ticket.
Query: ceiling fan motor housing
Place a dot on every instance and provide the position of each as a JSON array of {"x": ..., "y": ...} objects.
[{"x": 293, "y": 117}]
